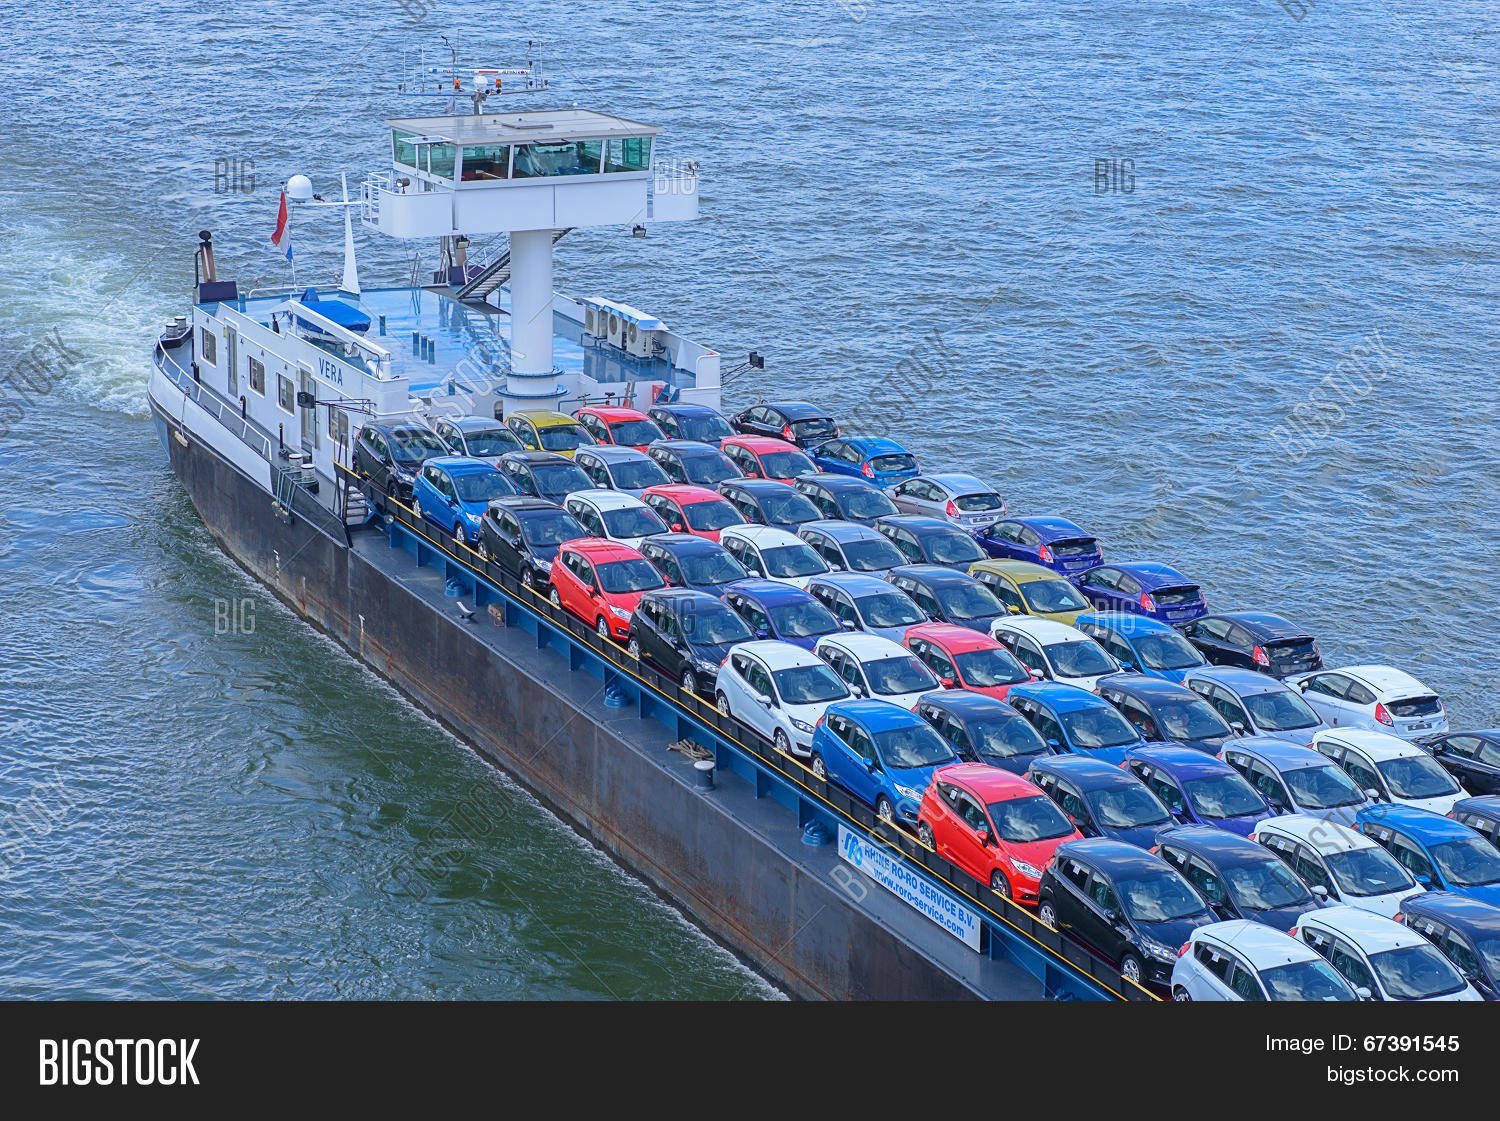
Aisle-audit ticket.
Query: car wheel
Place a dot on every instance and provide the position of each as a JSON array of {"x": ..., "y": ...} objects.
[
  {"x": 1132, "y": 969},
  {"x": 1048, "y": 914},
  {"x": 460, "y": 538},
  {"x": 820, "y": 768},
  {"x": 689, "y": 681},
  {"x": 924, "y": 834},
  {"x": 721, "y": 702},
  {"x": 1180, "y": 995},
  {"x": 555, "y": 596},
  {"x": 885, "y": 811},
  {"x": 783, "y": 744},
  {"x": 633, "y": 648},
  {"x": 999, "y": 884},
  {"x": 416, "y": 508},
  {"x": 601, "y": 628},
  {"x": 484, "y": 550}
]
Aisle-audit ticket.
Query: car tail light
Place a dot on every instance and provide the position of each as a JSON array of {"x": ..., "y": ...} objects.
[
  {"x": 1045, "y": 554},
  {"x": 1259, "y": 654},
  {"x": 1399, "y": 917},
  {"x": 952, "y": 510},
  {"x": 867, "y": 470},
  {"x": 1147, "y": 603},
  {"x": 1294, "y": 931},
  {"x": 1383, "y": 716},
  {"x": 1184, "y": 948},
  {"x": 818, "y": 723},
  {"x": 786, "y": 431},
  {"x": 1154, "y": 850}
]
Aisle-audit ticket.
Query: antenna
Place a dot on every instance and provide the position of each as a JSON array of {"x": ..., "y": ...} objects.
[{"x": 479, "y": 82}]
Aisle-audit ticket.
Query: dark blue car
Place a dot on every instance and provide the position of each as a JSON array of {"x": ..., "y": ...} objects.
[
  {"x": 688, "y": 461},
  {"x": 1145, "y": 588},
  {"x": 697, "y": 423},
  {"x": 1102, "y": 800},
  {"x": 983, "y": 730},
  {"x": 1481, "y": 814},
  {"x": 844, "y": 499},
  {"x": 1074, "y": 720},
  {"x": 1240, "y": 878},
  {"x": 688, "y": 561},
  {"x": 774, "y": 609},
  {"x": 1466, "y": 930},
  {"x": 1440, "y": 853},
  {"x": 1165, "y": 712},
  {"x": 884, "y": 462},
  {"x": 931, "y": 541},
  {"x": 1198, "y": 788},
  {"x": 766, "y": 502},
  {"x": 948, "y": 596},
  {"x": 1054, "y": 543},
  {"x": 880, "y": 753}
]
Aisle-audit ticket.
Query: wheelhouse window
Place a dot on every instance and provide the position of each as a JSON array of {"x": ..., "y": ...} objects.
[
  {"x": 286, "y": 394},
  {"x": 258, "y": 376},
  {"x": 570, "y": 157},
  {"x": 209, "y": 346},
  {"x": 486, "y": 161},
  {"x": 629, "y": 154}
]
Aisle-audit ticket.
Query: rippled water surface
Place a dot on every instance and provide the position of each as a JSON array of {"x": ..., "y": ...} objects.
[{"x": 1270, "y": 361}]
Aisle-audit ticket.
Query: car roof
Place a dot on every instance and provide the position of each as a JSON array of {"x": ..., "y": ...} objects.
[
  {"x": 877, "y": 716},
  {"x": 683, "y": 408},
  {"x": 602, "y": 499},
  {"x": 1279, "y": 754},
  {"x": 1183, "y": 762},
  {"x": 460, "y": 464},
  {"x": 842, "y": 531},
  {"x": 780, "y": 655},
  {"x": 865, "y": 646},
  {"x": 474, "y": 423},
  {"x": 679, "y": 596},
  {"x": 614, "y": 412},
  {"x": 1054, "y": 526},
  {"x": 1264, "y": 947},
  {"x": 1058, "y": 696},
  {"x": 918, "y": 523},
  {"x": 1316, "y": 832},
  {"x": 687, "y": 493},
  {"x": 537, "y": 458},
  {"x": 1388, "y": 681},
  {"x": 1424, "y": 825},
  {"x": 951, "y": 636},
  {"x": 1022, "y": 572},
  {"x": 993, "y": 784},
  {"x": 1463, "y": 911},
  {"x": 774, "y": 592},
  {"x": 875, "y": 445},
  {"x": 1212, "y": 842},
  {"x": 1088, "y": 772},
  {"x": 1140, "y": 686},
  {"x": 1487, "y": 804},
  {"x": 1238, "y": 680},
  {"x": 1043, "y": 630},
  {"x": 525, "y": 504},
  {"x": 1379, "y": 746},
  {"x": 761, "y": 536},
  {"x": 755, "y": 487},
  {"x": 760, "y": 443},
  {"x": 602, "y": 548},
  {"x": 969, "y": 704},
  {"x": 680, "y": 543},
  {"x": 934, "y": 574},
  {"x": 1367, "y": 930},
  {"x": 542, "y": 418},
  {"x": 855, "y": 583},
  {"x": 960, "y": 482},
  {"x": 687, "y": 447},
  {"x": 831, "y": 482},
  {"x": 1130, "y": 626},
  {"x": 1112, "y": 856},
  {"x": 794, "y": 410},
  {"x": 1262, "y": 624},
  {"x": 614, "y": 453},
  {"x": 1153, "y": 574}
]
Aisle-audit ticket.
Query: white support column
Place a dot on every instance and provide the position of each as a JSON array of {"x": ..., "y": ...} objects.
[{"x": 531, "y": 302}]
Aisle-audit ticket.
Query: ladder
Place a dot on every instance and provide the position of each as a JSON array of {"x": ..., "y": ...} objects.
[{"x": 496, "y": 273}]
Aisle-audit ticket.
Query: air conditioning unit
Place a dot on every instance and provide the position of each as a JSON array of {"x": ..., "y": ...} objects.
[
  {"x": 643, "y": 342},
  {"x": 595, "y": 321},
  {"x": 617, "y": 330}
]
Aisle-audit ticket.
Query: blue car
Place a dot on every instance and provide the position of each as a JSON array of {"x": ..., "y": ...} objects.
[
  {"x": 697, "y": 423},
  {"x": 1441, "y": 854},
  {"x": 866, "y": 603},
  {"x": 1481, "y": 814},
  {"x": 883, "y": 462},
  {"x": 774, "y": 609},
  {"x": 453, "y": 492},
  {"x": 947, "y": 596},
  {"x": 1074, "y": 720},
  {"x": 1102, "y": 800},
  {"x": 983, "y": 730},
  {"x": 1240, "y": 878},
  {"x": 1163, "y": 712},
  {"x": 1256, "y": 704},
  {"x": 881, "y": 754},
  {"x": 688, "y": 561},
  {"x": 1198, "y": 788},
  {"x": 1145, "y": 588},
  {"x": 1054, "y": 543},
  {"x": 931, "y": 541},
  {"x": 1142, "y": 644},
  {"x": 1467, "y": 931}
]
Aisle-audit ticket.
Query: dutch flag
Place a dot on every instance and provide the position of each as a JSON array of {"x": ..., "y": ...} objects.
[{"x": 282, "y": 233}]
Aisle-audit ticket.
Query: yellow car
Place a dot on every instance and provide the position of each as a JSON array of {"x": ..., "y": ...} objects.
[
  {"x": 1030, "y": 589},
  {"x": 543, "y": 431}
]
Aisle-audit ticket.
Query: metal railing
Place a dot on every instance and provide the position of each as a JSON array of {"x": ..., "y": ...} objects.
[{"x": 221, "y": 410}]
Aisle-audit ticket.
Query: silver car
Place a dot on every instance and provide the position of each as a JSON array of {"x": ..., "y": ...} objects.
[
  {"x": 627, "y": 470},
  {"x": 964, "y": 500},
  {"x": 476, "y": 437},
  {"x": 1242, "y": 960}
]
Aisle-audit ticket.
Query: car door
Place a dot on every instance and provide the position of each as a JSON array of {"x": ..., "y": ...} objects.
[
  {"x": 1239, "y": 647},
  {"x": 505, "y": 543},
  {"x": 645, "y": 630},
  {"x": 1345, "y": 957},
  {"x": 1413, "y": 858},
  {"x": 1138, "y": 715},
  {"x": 938, "y": 661},
  {"x": 763, "y": 713},
  {"x": 1313, "y": 872},
  {"x": 1117, "y": 647},
  {"x": 847, "y": 668},
  {"x": 1211, "y": 980},
  {"x": 859, "y": 764},
  {"x": 1327, "y": 693},
  {"x": 926, "y": 602},
  {"x": 1363, "y": 772},
  {"x": 1225, "y": 703},
  {"x": 1461, "y": 953},
  {"x": 754, "y": 615},
  {"x": 1070, "y": 800},
  {"x": 1101, "y": 913},
  {"x": 1027, "y": 652},
  {"x": 1100, "y": 586},
  {"x": 1071, "y": 902},
  {"x": 596, "y": 471},
  {"x": 1209, "y": 885},
  {"x": 665, "y": 563},
  {"x": 1473, "y": 760},
  {"x": 525, "y": 433},
  {"x": 971, "y": 853},
  {"x": 1007, "y": 592},
  {"x": 1163, "y": 785}
]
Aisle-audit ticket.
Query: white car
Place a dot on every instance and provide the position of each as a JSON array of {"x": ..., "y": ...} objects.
[
  {"x": 1244, "y": 960},
  {"x": 615, "y": 515},
  {"x": 1339, "y": 864},
  {"x": 1380, "y": 698},
  {"x": 1055, "y": 651},
  {"x": 780, "y": 690},
  {"x": 877, "y": 667},
  {"x": 1386, "y": 959},
  {"x": 968, "y": 502},
  {"x": 1389, "y": 769},
  {"x": 773, "y": 553}
]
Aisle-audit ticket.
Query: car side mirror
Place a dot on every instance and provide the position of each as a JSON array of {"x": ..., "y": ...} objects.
[
  {"x": 872, "y": 765},
  {"x": 1364, "y": 993},
  {"x": 761, "y": 632},
  {"x": 1036, "y": 674},
  {"x": 761, "y": 698},
  {"x": 1236, "y": 727},
  {"x": 1424, "y": 879},
  {"x": 1114, "y": 918},
  {"x": 1055, "y": 745},
  {"x": 847, "y": 624},
  {"x": 1012, "y": 608},
  {"x": 948, "y": 682},
  {"x": 1373, "y": 794},
  {"x": 983, "y": 835},
  {"x": 676, "y": 527},
  {"x": 1321, "y": 892},
  {"x": 858, "y": 690}
]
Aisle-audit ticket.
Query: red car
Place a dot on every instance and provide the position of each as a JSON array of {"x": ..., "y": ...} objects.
[
  {"x": 965, "y": 659},
  {"x": 609, "y": 424},
  {"x": 761, "y": 457},
  {"x": 996, "y": 826},
  {"x": 689, "y": 509},
  {"x": 601, "y": 581}
]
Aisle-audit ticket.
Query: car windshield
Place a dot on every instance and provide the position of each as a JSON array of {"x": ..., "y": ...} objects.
[
  {"x": 633, "y": 575},
  {"x": 492, "y": 441},
  {"x": 1161, "y": 898},
  {"x": 868, "y": 504},
  {"x": 560, "y": 478},
  {"x": 872, "y": 555},
  {"x": 1467, "y": 862},
  {"x": 631, "y": 521},
  {"x": 717, "y": 567},
  {"x": 985, "y": 669},
  {"x": 637, "y": 474},
  {"x": 809, "y": 685},
  {"x": 1079, "y": 657},
  {"x": 815, "y": 428},
  {"x": 634, "y": 433},
  {"x": 1416, "y": 972},
  {"x": 807, "y": 619},
  {"x": 1022, "y": 820},
  {"x": 563, "y": 437},
  {"x": 708, "y": 469},
  {"x": 1417, "y": 776},
  {"x": 913, "y": 745},
  {"x": 1043, "y": 596},
  {"x": 1220, "y": 796},
  {"x": 789, "y": 509},
  {"x": 891, "y": 676},
  {"x": 1265, "y": 885},
  {"x": 968, "y": 601},
  {"x": 792, "y": 560},
  {"x": 977, "y": 503},
  {"x": 1004, "y": 737},
  {"x": 550, "y": 527},
  {"x": 482, "y": 486},
  {"x": 1097, "y": 726},
  {"x": 889, "y": 609},
  {"x": 955, "y": 547},
  {"x": 1167, "y": 651},
  {"x": 411, "y": 447},
  {"x": 1368, "y": 871},
  {"x": 891, "y": 463},
  {"x": 711, "y": 516},
  {"x": 704, "y": 429},
  {"x": 1280, "y": 711},
  {"x": 1322, "y": 787},
  {"x": 714, "y": 625},
  {"x": 1306, "y": 980},
  {"x": 785, "y": 465},
  {"x": 1126, "y": 807},
  {"x": 1189, "y": 720}
]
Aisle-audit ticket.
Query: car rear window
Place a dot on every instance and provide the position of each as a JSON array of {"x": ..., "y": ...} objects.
[
  {"x": 1172, "y": 597},
  {"x": 1427, "y": 705},
  {"x": 1074, "y": 547},
  {"x": 973, "y": 503},
  {"x": 818, "y": 426},
  {"x": 1292, "y": 648},
  {"x": 894, "y": 463}
]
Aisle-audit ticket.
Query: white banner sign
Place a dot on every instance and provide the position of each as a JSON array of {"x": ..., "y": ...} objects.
[{"x": 910, "y": 888}]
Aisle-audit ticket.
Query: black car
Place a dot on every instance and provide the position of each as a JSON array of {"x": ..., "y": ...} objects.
[
  {"x": 1100, "y": 799},
  {"x": 949, "y": 597},
  {"x": 686, "y": 635},
  {"x": 983, "y": 730},
  {"x": 1165, "y": 712},
  {"x": 522, "y": 536},
  {"x": 544, "y": 474},
  {"x": 1255, "y": 640},
  {"x": 392, "y": 454},
  {"x": 763, "y": 502},
  {"x": 1129, "y": 905},
  {"x": 691, "y": 422},
  {"x": 925, "y": 540},
  {"x": 1481, "y": 814},
  {"x": 843, "y": 498},
  {"x": 796, "y": 422},
  {"x": 1466, "y": 930},
  {"x": 1471, "y": 757},
  {"x": 686, "y": 561},
  {"x": 1239, "y": 878},
  {"x": 687, "y": 461}
]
